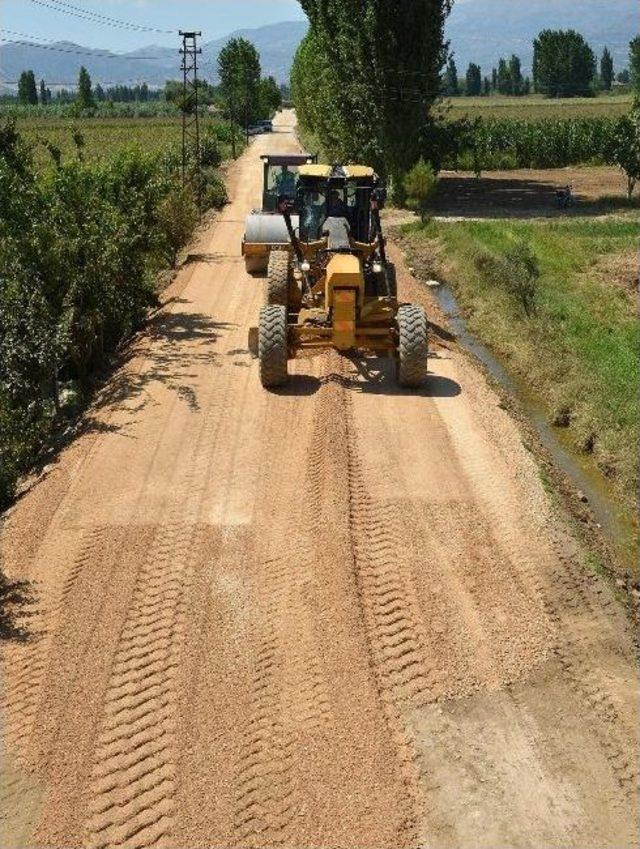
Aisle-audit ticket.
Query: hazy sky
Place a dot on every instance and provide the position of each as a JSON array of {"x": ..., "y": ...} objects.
[{"x": 214, "y": 17}]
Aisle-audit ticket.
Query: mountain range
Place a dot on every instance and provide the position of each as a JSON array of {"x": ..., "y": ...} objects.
[{"x": 478, "y": 31}]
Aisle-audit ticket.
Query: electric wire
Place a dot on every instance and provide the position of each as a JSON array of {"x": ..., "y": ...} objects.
[{"x": 96, "y": 17}]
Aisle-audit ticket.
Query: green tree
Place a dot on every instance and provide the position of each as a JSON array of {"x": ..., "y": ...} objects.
[
  {"x": 420, "y": 184},
  {"x": 634, "y": 63},
  {"x": 606, "y": 70},
  {"x": 451, "y": 84},
  {"x": 85, "y": 93},
  {"x": 505, "y": 85},
  {"x": 270, "y": 97},
  {"x": 380, "y": 62},
  {"x": 239, "y": 72},
  {"x": 563, "y": 64},
  {"x": 515, "y": 75},
  {"x": 494, "y": 79},
  {"x": 43, "y": 93},
  {"x": 474, "y": 80},
  {"x": 486, "y": 86},
  {"x": 27, "y": 90}
]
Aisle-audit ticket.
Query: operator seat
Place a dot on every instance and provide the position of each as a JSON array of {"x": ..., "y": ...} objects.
[{"x": 337, "y": 231}]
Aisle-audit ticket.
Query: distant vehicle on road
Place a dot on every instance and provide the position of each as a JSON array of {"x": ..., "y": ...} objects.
[
  {"x": 255, "y": 130},
  {"x": 267, "y": 126}
]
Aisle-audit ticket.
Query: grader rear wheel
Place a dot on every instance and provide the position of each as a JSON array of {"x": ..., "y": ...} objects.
[
  {"x": 278, "y": 279},
  {"x": 413, "y": 347},
  {"x": 272, "y": 345}
]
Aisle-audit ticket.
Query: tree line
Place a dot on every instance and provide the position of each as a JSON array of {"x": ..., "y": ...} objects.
[
  {"x": 564, "y": 65},
  {"x": 243, "y": 93}
]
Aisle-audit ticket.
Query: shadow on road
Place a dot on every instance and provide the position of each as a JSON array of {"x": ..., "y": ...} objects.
[
  {"x": 174, "y": 344},
  {"x": 375, "y": 376},
  {"x": 16, "y": 605}
]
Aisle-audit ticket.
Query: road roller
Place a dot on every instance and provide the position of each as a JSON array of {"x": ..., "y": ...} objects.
[{"x": 265, "y": 228}]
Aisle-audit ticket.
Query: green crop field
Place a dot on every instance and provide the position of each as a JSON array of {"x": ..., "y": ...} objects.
[
  {"x": 535, "y": 106},
  {"x": 101, "y": 136},
  {"x": 104, "y": 136}
]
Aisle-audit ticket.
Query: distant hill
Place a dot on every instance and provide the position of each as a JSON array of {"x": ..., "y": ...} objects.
[
  {"x": 484, "y": 30},
  {"x": 60, "y": 62},
  {"x": 276, "y": 44},
  {"x": 478, "y": 30}
]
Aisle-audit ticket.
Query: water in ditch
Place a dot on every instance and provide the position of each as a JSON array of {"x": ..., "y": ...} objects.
[{"x": 609, "y": 515}]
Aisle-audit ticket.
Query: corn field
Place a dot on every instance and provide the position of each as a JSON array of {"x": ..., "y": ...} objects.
[{"x": 548, "y": 143}]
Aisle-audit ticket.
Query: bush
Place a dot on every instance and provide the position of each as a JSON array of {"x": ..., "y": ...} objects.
[
  {"x": 80, "y": 246},
  {"x": 210, "y": 151},
  {"x": 215, "y": 191},
  {"x": 419, "y": 185},
  {"x": 177, "y": 217},
  {"x": 516, "y": 272}
]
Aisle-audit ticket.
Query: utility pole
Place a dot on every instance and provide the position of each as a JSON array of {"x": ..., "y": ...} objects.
[
  {"x": 246, "y": 105},
  {"x": 190, "y": 117}
]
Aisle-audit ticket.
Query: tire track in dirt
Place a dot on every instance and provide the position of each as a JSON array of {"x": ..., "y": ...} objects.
[
  {"x": 575, "y": 616},
  {"x": 135, "y": 754},
  {"x": 393, "y": 634},
  {"x": 23, "y": 700},
  {"x": 286, "y": 682}
]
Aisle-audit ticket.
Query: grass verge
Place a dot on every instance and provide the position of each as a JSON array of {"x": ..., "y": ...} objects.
[{"x": 577, "y": 349}]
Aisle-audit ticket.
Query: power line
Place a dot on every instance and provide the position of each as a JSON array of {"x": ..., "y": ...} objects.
[{"x": 65, "y": 8}]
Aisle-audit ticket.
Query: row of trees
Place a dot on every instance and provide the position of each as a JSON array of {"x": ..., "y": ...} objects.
[
  {"x": 243, "y": 92},
  {"x": 505, "y": 79},
  {"x": 563, "y": 66}
]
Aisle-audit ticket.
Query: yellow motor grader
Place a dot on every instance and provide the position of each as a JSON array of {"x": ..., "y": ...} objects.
[{"x": 332, "y": 285}]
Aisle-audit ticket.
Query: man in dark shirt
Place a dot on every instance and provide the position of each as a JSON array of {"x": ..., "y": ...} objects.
[{"x": 337, "y": 208}]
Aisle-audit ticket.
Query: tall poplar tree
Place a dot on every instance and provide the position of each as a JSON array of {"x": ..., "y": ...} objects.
[
  {"x": 606, "y": 70},
  {"x": 473, "y": 80},
  {"x": 27, "y": 89},
  {"x": 85, "y": 93},
  {"x": 381, "y": 60}
]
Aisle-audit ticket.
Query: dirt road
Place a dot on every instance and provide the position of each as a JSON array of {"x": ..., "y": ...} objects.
[{"x": 342, "y": 615}]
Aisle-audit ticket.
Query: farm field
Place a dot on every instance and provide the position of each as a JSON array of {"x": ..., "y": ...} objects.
[
  {"x": 102, "y": 136},
  {"x": 535, "y": 106}
]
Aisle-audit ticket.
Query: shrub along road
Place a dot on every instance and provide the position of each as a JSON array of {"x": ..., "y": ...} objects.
[{"x": 341, "y": 615}]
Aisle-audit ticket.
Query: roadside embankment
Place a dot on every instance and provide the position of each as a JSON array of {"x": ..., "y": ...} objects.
[{"x": 571, "y": 336}]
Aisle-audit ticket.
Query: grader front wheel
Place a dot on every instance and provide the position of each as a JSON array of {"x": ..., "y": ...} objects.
[
  {"x": 272, "y": 345},
  {"x": 413, "y": 347},
  {"x": 278, "y": 279}
]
